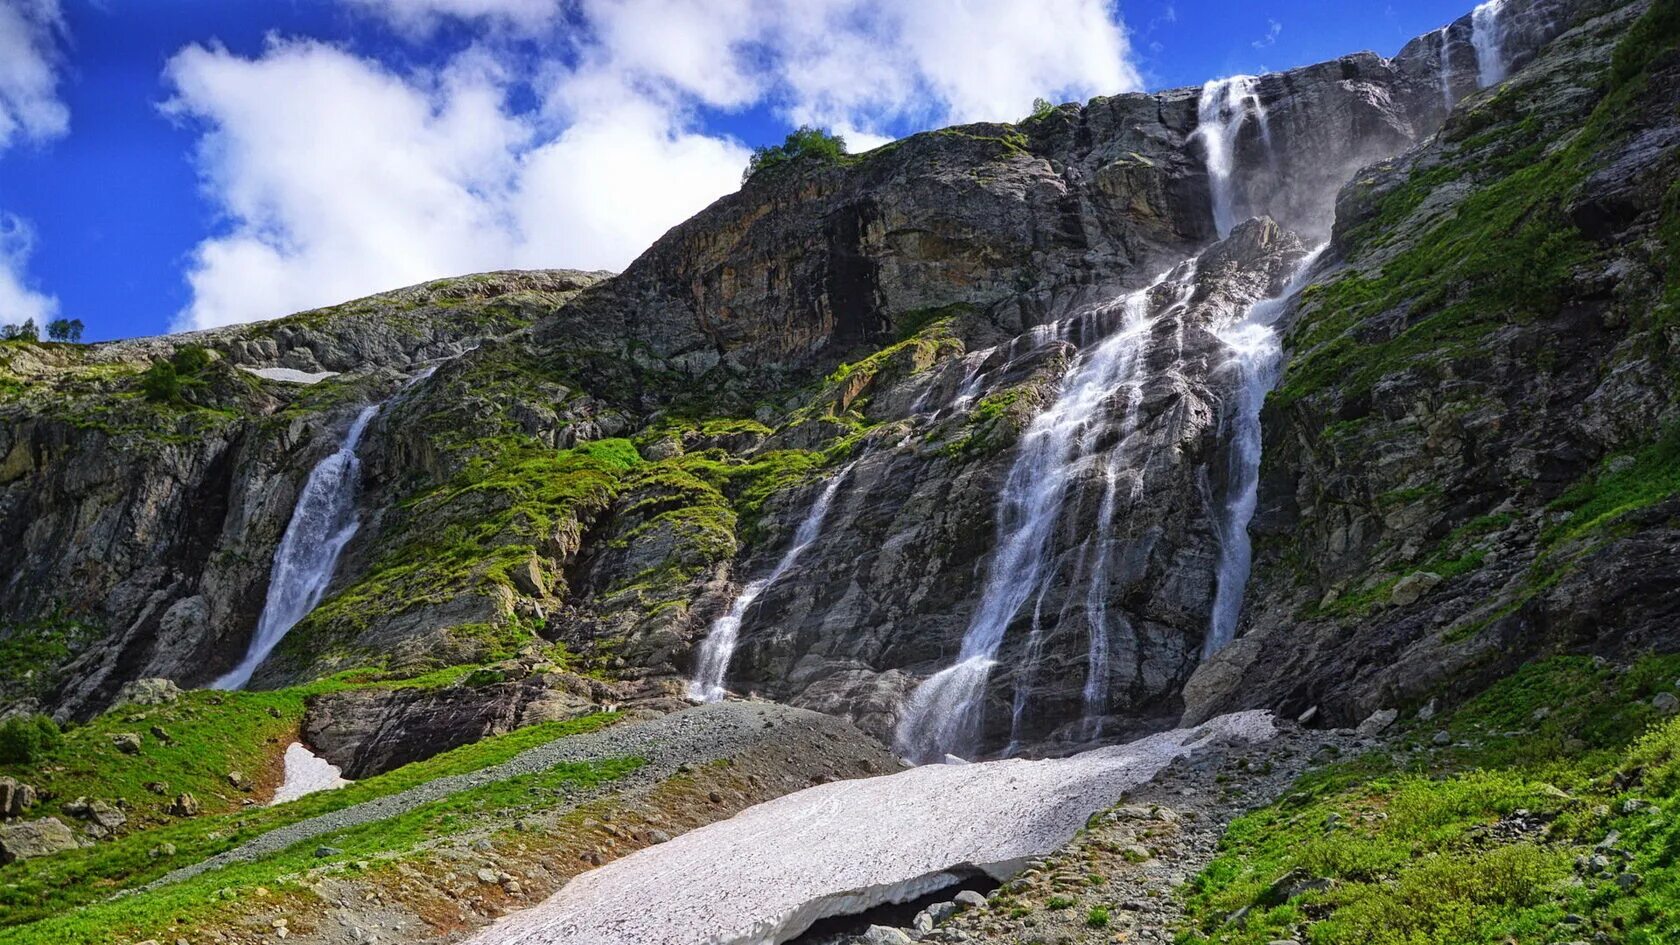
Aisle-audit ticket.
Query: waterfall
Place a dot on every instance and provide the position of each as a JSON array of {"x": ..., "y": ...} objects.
[
  {"x": 943, "y": 714},
  {"x": 1487, "y": 34},
  {"x": 1256, "y": 356},
  {"x": 719, "y": 646},
  {"x": 322, "y": 524},
  {"x": 1446, "y": 67},
  {"x": 1225, "y": 105}
]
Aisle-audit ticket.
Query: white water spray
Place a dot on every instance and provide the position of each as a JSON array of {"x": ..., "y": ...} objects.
[
  {"x": 1255, "y": 357},
  {"x": 322, "y": 524},
  {"x": 1487, "y": 34},
  {"x": 1225, "y": 106},
  {"x": 943, "y": 714},
  {"x": 719, "y": 646}
]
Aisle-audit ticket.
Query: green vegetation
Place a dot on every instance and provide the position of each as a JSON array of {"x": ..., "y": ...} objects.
[
  {"x": 32, "y": 652},
  {"x": 1474, "y": 842},
  {"x": 382, "y": 845},
  {"x": 804, "y": 142},
  {"x": 1097, "y": 917},
  {"x": 168, "y": 380},
  {"x": 28, "y": 739},
  {"x": 1041, "y": 108},
  {"x": 512, "y": 514},
  {"x": 1058, "y": 903},
  {"x": 1623, "y": 484},
  {"x": 205, "y": 745}
]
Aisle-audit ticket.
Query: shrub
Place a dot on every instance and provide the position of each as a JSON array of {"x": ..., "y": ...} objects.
[
  {"x": 803, "y": 142},
  {"x": 1058, "y": 902},
  {"x": 166, "y": 382},
  {"x": 24, "y": 332},
  {"x": 1042, "y": 107},
  {"x": 1097, "y": 918},
  {"x": 27, "y": 739}
]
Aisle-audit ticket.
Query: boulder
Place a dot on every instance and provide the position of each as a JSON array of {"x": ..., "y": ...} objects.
[
  {"x": 127, "y": 742},
  {"x": 1666, "y": 703},
  {"x": 15, "y": 798},
  {"x": 884, "y": 935},
  {"x": 184, "y": 805},
  {"x": 1411, "y": 588},
  {"x": 1377, "y": 722},
  {"x": 34, "y": 838},
  {"x": 150, "y": 691}
]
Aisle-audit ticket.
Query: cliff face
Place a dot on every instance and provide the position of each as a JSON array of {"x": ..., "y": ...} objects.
[
  {"x": 1471, "y": 456},
  {"x": 587, "y": 481}
]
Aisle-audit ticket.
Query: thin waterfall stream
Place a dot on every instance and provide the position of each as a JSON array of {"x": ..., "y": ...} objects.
[
  {"x": 1487, "y": 34},
  {"x": 323, "y": 522},
  {"x": 718, "y": 649}
]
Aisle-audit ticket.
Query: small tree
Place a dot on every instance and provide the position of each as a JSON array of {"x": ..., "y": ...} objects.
[
  {"x": 802, "y": 142},
  {"x": 1042, "y": 107},
  {"x": 167, "y": 381},
  {"x": 65, "y": 329},
  {"x": 24, "y": 332}
]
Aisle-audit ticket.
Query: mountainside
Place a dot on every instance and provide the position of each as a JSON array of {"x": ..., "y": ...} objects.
[{"x": 1344, "y": 392}]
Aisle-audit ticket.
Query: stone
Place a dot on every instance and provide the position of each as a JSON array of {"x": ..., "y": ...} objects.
[
  {"x": 971, "y": 899},
  {"x": 326, "y": 851},
  {"x": 16, "y": 797},
  {"x": 883, "y": 935},
  {"x": 161, "y": 735},
  {"x": 184, "y": 805},
  {"x": 106, "y": 815},
  {"x": 34, "y": 838},
  {"x": 1442, "y": 738},
  {"x": 149, "y": 691},
  {"x": 1409, "y": 589},
  {"x": 127, "y": 742},
  {"x": 1666, "y": 703},
  {"x": 236, "y": 780},
  {"x": 161, "y": 850},
  {"x": 1377, "y": 722},
  {"x": 1305, "y": 718},
  {"x": 487, "y": 877}
]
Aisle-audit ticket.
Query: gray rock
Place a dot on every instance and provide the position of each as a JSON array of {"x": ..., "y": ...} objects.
[
  {"x": 34, "y": 838},
  {"x": 1409, "y": 589},
  {"x": 970, "y": 899},
  {"x": 150, "y": 691},
  {"x": 1666, "y": 703},
  {"x": 883, "y": 935},
  {"x": 16, "y": 798},
  {"x": 127, "y": 742},
  {"x": 1377, "y": 722}
]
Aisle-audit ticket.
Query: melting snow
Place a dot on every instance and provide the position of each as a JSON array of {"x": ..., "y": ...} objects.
[
  {"x": 290, "y": 375},
  {"x": 767, "y": 874},
  {"x": 306, "y": 773}
]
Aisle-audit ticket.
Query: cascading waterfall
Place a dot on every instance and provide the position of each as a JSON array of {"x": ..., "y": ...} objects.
[
  {"x": 943, "y": 714},
  {"x": 1225, "y": 106},
  {"x": 323, "y": 522},
  {"x": 719, "y": 646},
  {"x": 1487, "y": 34},
  {"x": 1255, "y": 357},
  {"x": 1446, "y": 67}
]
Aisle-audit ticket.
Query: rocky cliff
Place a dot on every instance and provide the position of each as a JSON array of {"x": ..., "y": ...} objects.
[{"x": 586, "y": 480}]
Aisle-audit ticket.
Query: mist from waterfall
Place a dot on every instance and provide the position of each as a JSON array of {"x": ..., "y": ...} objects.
[
  {"x": 323, "y": 522},
  {"x": 716, "y": 651},
  {"x": 1256, "y": 360},
  {"x": 943, "y": 715},
  {"x": 1487, "y": 34},
  {"x": 1225, "y": 106}
]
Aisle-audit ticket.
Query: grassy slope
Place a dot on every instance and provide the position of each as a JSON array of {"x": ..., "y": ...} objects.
[
  {"x": 210, "y": 738},
  {"x": 1476, "y": 842}
]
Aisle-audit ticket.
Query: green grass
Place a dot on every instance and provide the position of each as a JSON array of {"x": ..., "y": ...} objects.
[
  {"x": 34, "y": 889},
  {"x": 1401, "y": 850},
  {"x": 160, "y": 912},
  {"x": 1645, "y": 477}
]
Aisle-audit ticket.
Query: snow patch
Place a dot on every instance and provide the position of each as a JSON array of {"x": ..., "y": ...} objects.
[
  {"x": 289, "y": 375},
  {"x": 769, "y": 873},
  {"x": 306, "y": 773}
]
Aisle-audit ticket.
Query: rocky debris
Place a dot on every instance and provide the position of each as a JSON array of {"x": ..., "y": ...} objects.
[
  {"x": 369, "y": 731},
  {"x": 127, "y": 742},
  {"x": 184, "y": 805},
  {"x": 33, "y": 838},
  {"x": 148, "y": 692},
  {"x": 16, "y": 798}
]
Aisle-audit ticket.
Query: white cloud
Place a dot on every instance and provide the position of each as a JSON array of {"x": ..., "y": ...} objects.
[
  {"x": 29, "y": 104},
  {"x": 421, "y": 17},
  {"x": 17, "y": 301},
  {"x": 1274, "y": 30},
  {"x": 30, "y": 110},
  {"x": 339, "y": 177}
]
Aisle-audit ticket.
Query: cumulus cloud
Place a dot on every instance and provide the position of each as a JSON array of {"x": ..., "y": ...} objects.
[
  {"x": 18, "y": 302},
  {"x": 30, "y": 111},
  {"x": 339, "y": 176}
]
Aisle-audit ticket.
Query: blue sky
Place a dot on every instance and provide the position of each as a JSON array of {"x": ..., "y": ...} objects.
[{"x": 168, "y": 164}]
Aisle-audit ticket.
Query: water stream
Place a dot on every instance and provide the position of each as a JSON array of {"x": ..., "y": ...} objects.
[
  {"x": 718, "y": 649},
  {"x": 943, "y": 714},
  {"x": 1487, "y": 34},
  {"x": 1226, "y": 104},
  {"x": 1256, "y": 358},
  {"x": 323, "y": 522}
]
